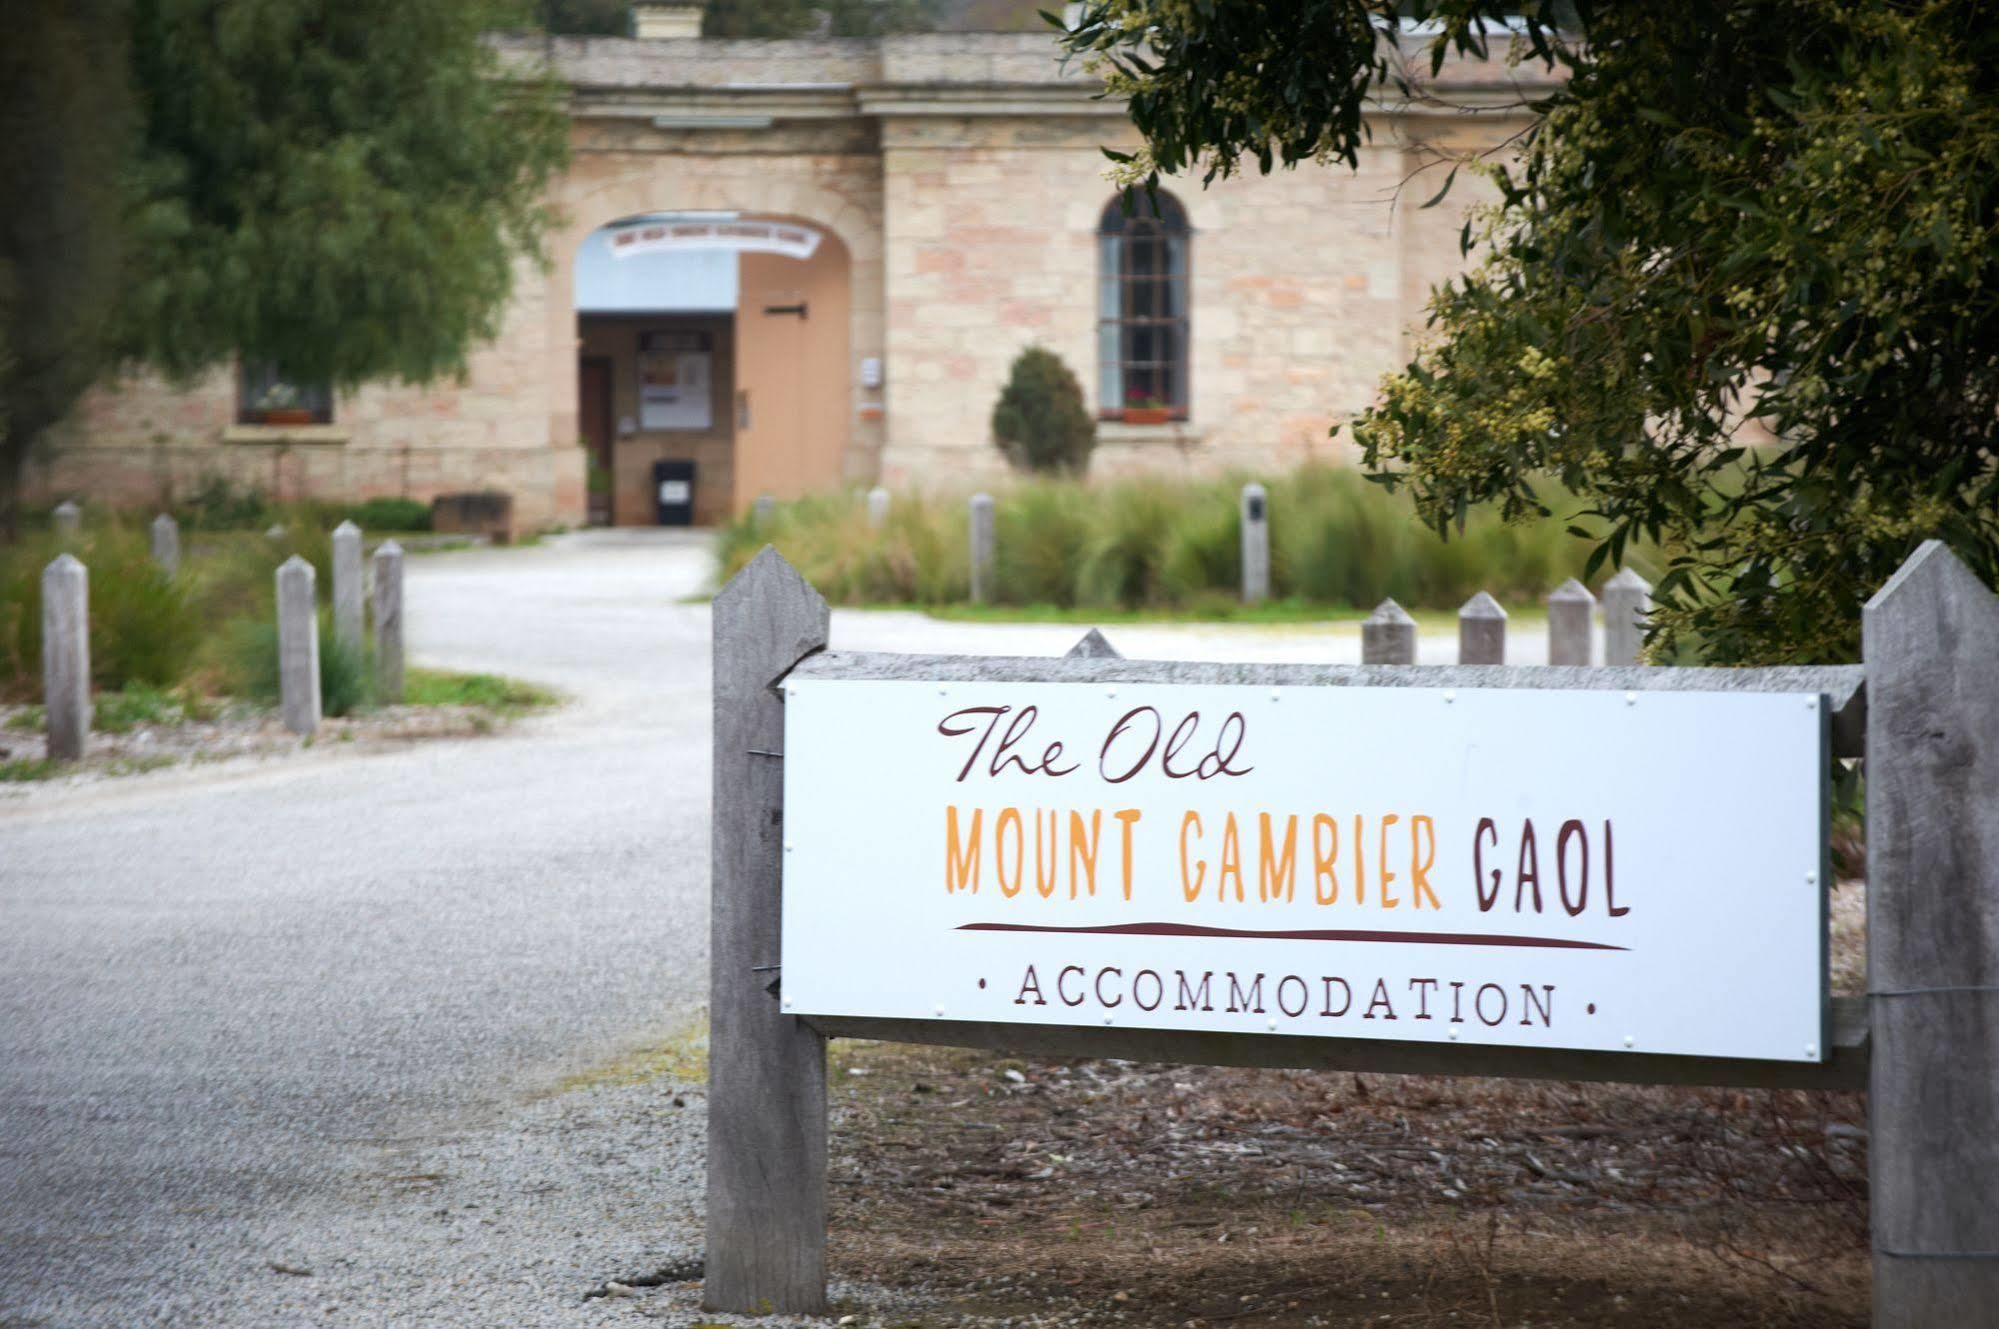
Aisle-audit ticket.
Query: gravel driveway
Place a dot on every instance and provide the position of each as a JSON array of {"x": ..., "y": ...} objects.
[{"x": 301, "y": 1041}]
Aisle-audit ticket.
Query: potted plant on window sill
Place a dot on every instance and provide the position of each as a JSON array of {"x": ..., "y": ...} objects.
[
  {"x": 1142, "y": 408},
  {"x": 280, "y": 406}
]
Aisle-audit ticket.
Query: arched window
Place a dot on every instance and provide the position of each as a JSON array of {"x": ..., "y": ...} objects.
[{"x": 1142, "y": 309}]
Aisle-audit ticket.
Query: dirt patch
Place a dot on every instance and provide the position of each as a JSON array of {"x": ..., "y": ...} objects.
[
  {"x": 1113, "y": 1193},
  {"x": 228, "y": 731}
]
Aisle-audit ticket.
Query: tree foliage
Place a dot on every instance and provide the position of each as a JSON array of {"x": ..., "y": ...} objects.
[
  {"x": 583, "y": 18},
  {"x": 1738, "y": 289},
  {"x": 342, "y": 187},
  {"x": 65, "y": 135},
  {"x": 1041, "y": 423}
]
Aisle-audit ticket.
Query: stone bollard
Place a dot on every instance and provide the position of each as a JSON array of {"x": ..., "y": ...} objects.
[
  {"x": 1627, "y": 599},
  {"x": 66, "y": 656},
  {"x": 275, "y": 531},
  {"x": 389, "y": 622},
  {"x": 1389, "y": 636},
  {"x": 166, "y": 544},
  {"x": 1481, "y": 631},
  {"x": 67, "y": 521},
  {"x": 982, "y": 548},
  {"x": 298, "y": 646},
  {"x": 347, "y": 622},
  {"x": 1570, "y": 607},
  {"x": 878, "y": 502},
  {"x": 1255, "y": 545},
  {"x": 762, "y": 510}
]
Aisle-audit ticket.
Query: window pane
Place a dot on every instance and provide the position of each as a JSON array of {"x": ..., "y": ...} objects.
[
  {"x": 261, "y": 391},
  {"x": 1110, "y": 374},
  {"x": 1108, "y": 290}
]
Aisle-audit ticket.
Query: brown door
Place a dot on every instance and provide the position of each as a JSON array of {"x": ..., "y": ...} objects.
[
  {"x": 792, "y": 402},
  {"x": 593, "y": 410}
]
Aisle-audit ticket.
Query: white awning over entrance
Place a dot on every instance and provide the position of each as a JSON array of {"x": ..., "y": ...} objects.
[{"x": 678, "y": 262}]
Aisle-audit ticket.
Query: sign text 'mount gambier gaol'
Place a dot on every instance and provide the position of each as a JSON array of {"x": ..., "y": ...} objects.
[{"x": 1603, "y": 870}]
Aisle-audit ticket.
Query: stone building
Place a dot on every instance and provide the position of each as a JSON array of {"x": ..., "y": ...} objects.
[{"x": 797, "y": 265}]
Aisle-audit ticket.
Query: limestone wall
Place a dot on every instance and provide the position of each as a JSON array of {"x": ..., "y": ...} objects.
[{"x": 1305, "y": 288}]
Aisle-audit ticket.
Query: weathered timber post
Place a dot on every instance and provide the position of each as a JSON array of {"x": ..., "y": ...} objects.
[
  {"x": 1481, "y": 631},
  {"x": 1627, "y": 599},
  {"x": 347, "y": 623},
  {"x": 766, "y": 1069},
  {"x": 878, "y": 501},
  {"x": 1569, "y": 633},
  {"x": 66, "y": 656},
  {"x": 67, "y": 521},
  {"x": 1255, "y": 545},
  {"x": 980, "y": 516},
  {"x": 1388, "y": 636},
  {"x": 298, "y": 646},
  {"x": 762, "y": 510},
  {"x": 1094, "y": 646},
  {"x": 1931, "y": 646},
  {"x": 166, "y": 544},
  {"x": 389, "y": 622}
]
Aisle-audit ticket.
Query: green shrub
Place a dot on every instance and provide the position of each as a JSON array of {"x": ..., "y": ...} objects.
[
  {"x": 1041, "y": 423},
  {"x": 218, "y": 505},
  {"x": 1124, "y": 557},
  {"x": 144, "y": 625},
  {"x": 346, "y": 673},
  {"x": 251, "y": 666},
  {"x": 391, "y": 514},
  {"x": 1039, "y": 533}
]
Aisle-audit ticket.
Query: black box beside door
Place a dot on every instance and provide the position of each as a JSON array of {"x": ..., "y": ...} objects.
[{"x": 673, "y": 492}]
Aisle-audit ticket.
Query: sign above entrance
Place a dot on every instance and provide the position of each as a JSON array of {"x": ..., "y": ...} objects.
[
  {"x": 743, "y": 237},
  {"x": 1591, "y": 870}
]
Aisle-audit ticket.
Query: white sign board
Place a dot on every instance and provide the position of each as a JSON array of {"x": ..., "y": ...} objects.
[
  {"x": 673, "y": 390},
  {"x": 1562, "y": 869},
  {"x": 747, "y": 237}
]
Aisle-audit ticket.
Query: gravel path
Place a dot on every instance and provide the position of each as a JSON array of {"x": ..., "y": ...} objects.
[{"x": 316, "y": 1014}]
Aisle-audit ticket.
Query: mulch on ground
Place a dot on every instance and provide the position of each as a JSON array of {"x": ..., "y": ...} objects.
[{"x": 1114, "y": 1193}]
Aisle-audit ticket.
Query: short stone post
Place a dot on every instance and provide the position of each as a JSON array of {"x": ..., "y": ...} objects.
[
  {"x": 762, "y": 510},
  {"x": 66, "y": 656},
  {"x": 67, "y": 521},
  {"x": 1388, "y": 636},
  {"x": 1481, "y": 631},
  {"x": 1930, "y": 640},
  {"x": 878, "y": 501},
  {"x": 1255, "y": 545},
  {"x": 298, "y": 646},
  {"x": 347, "y": 622},
  {"x": 1570, "y": 607},
  {"x": 275, "y": 532},
  {"x": 1627, "y": 599},
  {"x": 166, "y": 544},
  {"x": 766, "y": 1069},
  {"x": 389, "y": 622},
  {"x": 981, "y": 517}
]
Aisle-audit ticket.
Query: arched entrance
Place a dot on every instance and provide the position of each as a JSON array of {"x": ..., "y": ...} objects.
[{"x": 712, "y": 363}]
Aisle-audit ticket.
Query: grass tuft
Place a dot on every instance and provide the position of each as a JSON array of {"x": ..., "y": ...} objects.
[
  {"x": 507, "y": 696},
  {"x": 1161, "y": 546}
]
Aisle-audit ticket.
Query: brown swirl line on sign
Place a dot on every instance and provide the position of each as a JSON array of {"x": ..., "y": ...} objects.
[{"x": 1197, "y": 930}]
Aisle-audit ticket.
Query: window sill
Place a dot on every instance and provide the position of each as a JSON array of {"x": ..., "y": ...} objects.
[
  {"x": 1180, "y": 433},
  {"x": 285, "y": 434}
]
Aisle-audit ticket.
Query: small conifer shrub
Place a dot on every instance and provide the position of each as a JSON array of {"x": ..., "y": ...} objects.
[{"x": 1041, "y": 423}]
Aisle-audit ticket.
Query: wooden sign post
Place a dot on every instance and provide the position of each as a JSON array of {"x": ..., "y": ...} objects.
[{"x": 1924, "y": 710}]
